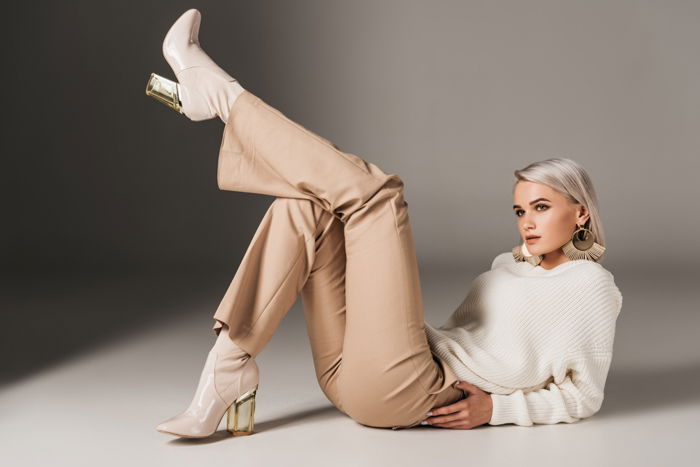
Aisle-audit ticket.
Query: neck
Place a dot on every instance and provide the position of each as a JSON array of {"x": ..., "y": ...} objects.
[{"x": 553, "y": 259}]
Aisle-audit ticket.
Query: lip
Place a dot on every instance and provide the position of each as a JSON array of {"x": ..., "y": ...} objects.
[{"x": 531, "y": 239}]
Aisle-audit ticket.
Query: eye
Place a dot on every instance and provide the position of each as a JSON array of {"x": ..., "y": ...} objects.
[{"x": 518, "y": 211}]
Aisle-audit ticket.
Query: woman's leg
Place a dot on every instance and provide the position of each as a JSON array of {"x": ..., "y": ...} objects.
[
  {"x": 273, "y": 271},
  {"x": 297, "y": 248},
  {"x": 388, "y": 376}
]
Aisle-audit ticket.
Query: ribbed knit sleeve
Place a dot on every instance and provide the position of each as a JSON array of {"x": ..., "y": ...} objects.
[{"x": 580, "y": 395}]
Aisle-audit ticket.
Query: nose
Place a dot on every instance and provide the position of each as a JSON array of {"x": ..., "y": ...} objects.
[{"x": 527, "y": 225}]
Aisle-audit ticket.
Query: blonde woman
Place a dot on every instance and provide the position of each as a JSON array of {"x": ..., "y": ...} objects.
[{"x": 530, "y": 343}]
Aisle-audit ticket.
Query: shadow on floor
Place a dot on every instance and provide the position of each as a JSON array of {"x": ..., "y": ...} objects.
[{"x": 641, "y": 390}]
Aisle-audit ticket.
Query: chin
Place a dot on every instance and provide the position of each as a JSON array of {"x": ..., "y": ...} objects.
[
  {"x": 537, "y": 250},
  {"x": 534, "y": 250}
]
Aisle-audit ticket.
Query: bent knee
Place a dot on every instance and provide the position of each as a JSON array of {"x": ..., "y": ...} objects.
[
  {"x": 281, "y": 202},
  {"x": 306, "y": 206}
]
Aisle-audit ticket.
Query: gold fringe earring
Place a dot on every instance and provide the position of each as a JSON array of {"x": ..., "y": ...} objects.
[
  {"x": 583, "y": 246},
  {"x": 521, "y": 253}
]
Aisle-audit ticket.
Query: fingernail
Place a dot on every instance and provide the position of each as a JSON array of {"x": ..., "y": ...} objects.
[
  {"x": 429, "y": 413},
  {"x": 424, "y": 422}
]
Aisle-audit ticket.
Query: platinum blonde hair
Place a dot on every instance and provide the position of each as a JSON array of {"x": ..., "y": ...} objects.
[{"x": 572, "y": 181}]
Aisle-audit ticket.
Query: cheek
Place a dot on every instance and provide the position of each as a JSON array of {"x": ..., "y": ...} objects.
[{"x": 558, "y": 229}]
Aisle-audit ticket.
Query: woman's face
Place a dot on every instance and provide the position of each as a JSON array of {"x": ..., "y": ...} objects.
[{"x": 542, "y": 211}]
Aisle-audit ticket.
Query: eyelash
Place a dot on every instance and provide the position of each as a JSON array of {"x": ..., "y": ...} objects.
[{"x": 536, "y": 206}]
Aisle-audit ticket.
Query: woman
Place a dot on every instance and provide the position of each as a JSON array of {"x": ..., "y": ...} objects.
[{"x": 531, "y": 342}]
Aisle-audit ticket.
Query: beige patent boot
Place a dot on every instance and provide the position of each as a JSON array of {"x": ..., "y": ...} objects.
[
  {"x": 228, "y": 383},
  {"x": 203, "y": 90}
]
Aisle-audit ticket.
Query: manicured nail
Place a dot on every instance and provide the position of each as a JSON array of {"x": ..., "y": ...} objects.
[
  {"x": 424, "y": 422},
  {"x": 429, "y": 413}
]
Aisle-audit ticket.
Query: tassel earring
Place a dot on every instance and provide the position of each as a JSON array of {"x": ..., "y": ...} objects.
[
  {"x": 521, "y": 253},
  {"x": 583, "y": 246}
]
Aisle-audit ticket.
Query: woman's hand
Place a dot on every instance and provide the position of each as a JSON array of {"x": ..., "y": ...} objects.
[{"x": 474, "y": 410}]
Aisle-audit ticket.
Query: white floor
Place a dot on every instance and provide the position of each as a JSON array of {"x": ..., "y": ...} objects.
[{"x": 101, "y": 407}]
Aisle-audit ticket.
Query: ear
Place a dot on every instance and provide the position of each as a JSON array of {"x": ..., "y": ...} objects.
[{"x": 582, "y": 215}]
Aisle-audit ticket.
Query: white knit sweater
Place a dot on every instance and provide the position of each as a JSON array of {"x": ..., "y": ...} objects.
[{"x": 540, "y": 341}]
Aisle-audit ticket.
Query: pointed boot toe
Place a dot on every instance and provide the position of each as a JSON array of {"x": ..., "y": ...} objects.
[
  {"x": 193, "y": 425},
  {"x": 227, "y": 385}
]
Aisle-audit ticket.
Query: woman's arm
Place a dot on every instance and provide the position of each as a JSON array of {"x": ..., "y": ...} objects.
[{"x": 578, "y": 396}]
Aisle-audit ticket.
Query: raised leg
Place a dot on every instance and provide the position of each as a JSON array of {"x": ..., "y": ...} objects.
[{"x": 262, "y": 151}]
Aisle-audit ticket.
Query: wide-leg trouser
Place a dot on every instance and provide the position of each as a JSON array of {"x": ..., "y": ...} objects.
[{"x": 338, "y": 233}]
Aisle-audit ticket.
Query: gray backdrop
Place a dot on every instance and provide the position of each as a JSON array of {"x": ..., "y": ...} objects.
[
  {"x": 451, "y": 95},
  {"x": 101, "y": 181}
]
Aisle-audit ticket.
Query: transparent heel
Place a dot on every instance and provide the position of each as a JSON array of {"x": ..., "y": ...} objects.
[
  {"x": 165, "y": 91},
  {"x": 241, "y": 414}
]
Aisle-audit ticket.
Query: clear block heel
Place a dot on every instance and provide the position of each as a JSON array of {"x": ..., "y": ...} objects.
[
  {"x": 241, "y": 414},
  {"x": 165, "y": 91}
]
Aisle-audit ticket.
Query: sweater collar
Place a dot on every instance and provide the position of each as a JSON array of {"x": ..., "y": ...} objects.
[{"x": 540, "y": 271}]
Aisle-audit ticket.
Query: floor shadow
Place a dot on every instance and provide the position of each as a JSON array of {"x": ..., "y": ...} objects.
[
  {"x": 324, "y": 412},
  {"x": 641, "y": 390},
  {"x": 46, "y": 319}
]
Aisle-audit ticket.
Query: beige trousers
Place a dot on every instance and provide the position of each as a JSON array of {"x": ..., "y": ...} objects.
[{"x": 338, "y": 233}]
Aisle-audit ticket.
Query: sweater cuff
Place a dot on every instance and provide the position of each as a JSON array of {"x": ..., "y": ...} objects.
[{"x": 505, "y": 410}]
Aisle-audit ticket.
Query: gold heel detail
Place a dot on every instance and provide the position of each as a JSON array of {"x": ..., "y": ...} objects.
[
  {"x": 241, "y": 414},
  {"x": 165, "y": 91}
]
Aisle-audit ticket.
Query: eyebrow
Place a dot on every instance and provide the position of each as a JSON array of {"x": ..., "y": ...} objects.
[{"x": 532, "y": 202}]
